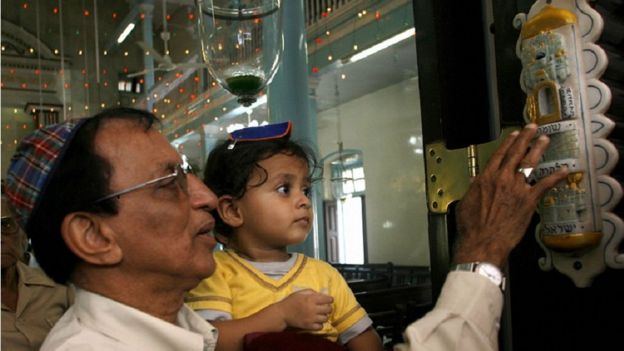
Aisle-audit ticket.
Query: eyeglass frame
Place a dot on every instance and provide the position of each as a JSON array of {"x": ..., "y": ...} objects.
[
  {"x": 183, "y": 168},
  {"x": 11, "y": 219}
]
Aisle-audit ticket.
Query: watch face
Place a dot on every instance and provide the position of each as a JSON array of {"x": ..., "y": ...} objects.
[{"x": 491, "y": 272}]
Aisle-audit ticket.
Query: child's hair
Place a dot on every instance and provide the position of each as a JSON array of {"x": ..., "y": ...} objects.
[{"x": 228, "y": 170}]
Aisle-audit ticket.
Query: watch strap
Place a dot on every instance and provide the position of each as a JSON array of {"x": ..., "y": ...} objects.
[{"x": 475, "y": 268}]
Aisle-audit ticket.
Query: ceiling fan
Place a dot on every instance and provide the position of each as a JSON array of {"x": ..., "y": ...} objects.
[{"x": 165, "y": 63}]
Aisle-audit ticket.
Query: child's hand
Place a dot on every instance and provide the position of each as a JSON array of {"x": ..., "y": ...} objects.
[{"x": 306, "y": 309}]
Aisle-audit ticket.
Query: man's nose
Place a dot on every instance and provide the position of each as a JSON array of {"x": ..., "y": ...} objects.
[{"x": 200, "y": 195}]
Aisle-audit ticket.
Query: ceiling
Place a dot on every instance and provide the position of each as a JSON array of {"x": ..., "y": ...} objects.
[
  {"x": 384, "y": 68},
  {"x": 351, "y": 80}
]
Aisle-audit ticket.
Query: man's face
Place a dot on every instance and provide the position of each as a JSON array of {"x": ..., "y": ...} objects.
[{"x": 165, "y": 233}]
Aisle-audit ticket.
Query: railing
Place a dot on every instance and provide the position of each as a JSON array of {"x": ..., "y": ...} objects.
[{"x": 315, "y": 10}]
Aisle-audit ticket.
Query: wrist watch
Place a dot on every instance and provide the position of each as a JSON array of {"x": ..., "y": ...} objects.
[{"x": 485, "y": 269}]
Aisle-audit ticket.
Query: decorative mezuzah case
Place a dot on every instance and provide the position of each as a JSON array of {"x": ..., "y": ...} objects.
[{"x": 561, "y": 67}]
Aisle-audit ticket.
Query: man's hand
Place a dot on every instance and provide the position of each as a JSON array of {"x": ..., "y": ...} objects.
[
  {"x": 306, "y": 309},
  {"x": 497, "y": 208}
]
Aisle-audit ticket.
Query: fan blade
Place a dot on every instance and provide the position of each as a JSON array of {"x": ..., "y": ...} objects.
[
  {"x": 136, "y": 74},
  {"x": 190, "y": 65},
  {"x": 152, "y": 52},
  {"x": 145, "y": 71}
]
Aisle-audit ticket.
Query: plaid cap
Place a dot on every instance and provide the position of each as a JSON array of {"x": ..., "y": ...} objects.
[{"x": 32, "y": 165}]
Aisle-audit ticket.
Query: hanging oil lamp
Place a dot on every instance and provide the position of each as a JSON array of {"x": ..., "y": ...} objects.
[{"x": 241, "y": 43}]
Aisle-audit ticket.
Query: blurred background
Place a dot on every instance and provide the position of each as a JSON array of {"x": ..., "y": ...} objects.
[{"x": 72, "y": 58}]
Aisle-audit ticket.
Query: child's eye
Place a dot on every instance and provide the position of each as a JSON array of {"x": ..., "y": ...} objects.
[{"x": 284, "y": 189}]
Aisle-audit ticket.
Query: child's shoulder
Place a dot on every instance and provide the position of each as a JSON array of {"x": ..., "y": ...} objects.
[
  {"x": 318, "y": 263},
  {"x": 226, "y": 258}
]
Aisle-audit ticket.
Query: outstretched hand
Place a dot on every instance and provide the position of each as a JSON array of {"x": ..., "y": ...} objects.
[{"x": 496, "y": 210}]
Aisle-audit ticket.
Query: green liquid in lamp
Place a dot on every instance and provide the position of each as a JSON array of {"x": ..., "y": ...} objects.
[{"x": 246, "y": 85}]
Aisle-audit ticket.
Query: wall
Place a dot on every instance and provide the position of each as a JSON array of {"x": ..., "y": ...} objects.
[
  {"x": 14, "y": 128},
  {"x": 381, "y": 124}
]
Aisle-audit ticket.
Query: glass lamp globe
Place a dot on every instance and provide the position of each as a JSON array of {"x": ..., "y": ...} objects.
[{"x": 241, "y": 43}]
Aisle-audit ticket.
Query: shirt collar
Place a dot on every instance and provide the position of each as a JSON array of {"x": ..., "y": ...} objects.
[
  {"x": 32, "y": 276},
  {"x": 140, "y": 330}
]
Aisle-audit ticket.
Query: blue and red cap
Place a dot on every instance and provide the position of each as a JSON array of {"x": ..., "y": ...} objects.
[
  {"x": 33, "y": 164},
  {"x": 267, "y": 132}
]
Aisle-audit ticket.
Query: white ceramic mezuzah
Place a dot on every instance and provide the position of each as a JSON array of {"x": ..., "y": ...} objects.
[{"x": 561, "y": 67}]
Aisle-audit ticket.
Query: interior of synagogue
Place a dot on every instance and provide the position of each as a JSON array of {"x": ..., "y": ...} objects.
[{"x": 402, "y": 102}]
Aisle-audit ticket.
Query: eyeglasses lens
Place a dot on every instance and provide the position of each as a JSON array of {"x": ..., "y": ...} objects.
[
  {"x": 9, "y": 226},
  {"x": 181, "y": 177}
]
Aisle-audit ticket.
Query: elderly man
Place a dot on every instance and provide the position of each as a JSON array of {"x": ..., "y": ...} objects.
[
  {"x": 109, "y": 206},
  {"x": 31, "y": 302}
]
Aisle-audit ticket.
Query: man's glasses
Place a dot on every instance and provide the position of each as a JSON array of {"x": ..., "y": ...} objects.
[
  {"x": 9, "y": 225},
  {"x": 179, "y": 174}
]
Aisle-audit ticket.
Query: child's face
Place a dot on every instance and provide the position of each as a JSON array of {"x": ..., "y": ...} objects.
[{"x": 277, "y": 213}]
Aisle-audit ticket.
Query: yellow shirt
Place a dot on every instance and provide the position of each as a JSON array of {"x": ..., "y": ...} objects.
[
  {"x": 40, "y": 304},
  {"x": 239, "y": 289}
]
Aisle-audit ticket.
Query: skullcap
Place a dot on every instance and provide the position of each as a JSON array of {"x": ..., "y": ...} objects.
[{"x": 33, "y": 164}]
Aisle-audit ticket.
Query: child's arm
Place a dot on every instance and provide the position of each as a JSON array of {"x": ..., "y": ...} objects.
[
  {"x": 367, "y": 341},
  {"x": 305, "y": 309}
]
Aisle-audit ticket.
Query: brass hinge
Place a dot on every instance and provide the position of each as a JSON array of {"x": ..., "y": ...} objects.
[{"x": 449, "y": 171}]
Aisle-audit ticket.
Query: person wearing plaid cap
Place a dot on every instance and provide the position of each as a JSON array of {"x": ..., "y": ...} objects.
[{"x": 110, "y": 206}]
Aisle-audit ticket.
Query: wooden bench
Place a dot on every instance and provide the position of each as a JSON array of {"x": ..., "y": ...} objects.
[
  {"x": 393, "y": 309},
  {"x": 360, "y": 285},
  {"x": 398, "y": 275},
  {"x": 364, "y": 271}
]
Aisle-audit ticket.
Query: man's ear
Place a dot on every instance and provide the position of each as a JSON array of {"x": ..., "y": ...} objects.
[
  {"x": 229, "y": 211},
  {"x": 91, "y": 239}
]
